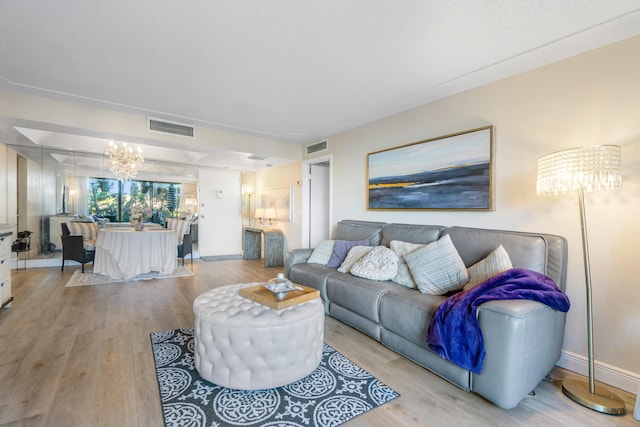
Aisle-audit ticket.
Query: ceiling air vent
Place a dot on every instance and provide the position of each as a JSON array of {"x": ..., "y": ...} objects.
[
  {"x": 163, "y": 126},
  {"x": 257, "y": 157},
  {"x": 317, "y": 147}
]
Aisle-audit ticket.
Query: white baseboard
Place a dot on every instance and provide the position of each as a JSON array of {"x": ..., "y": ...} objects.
[{"x": 611, "y": 375}]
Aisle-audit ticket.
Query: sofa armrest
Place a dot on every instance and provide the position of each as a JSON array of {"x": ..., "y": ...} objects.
[
  {"x": 295, "y": 256},
  {"x": 523, "y": 341}
]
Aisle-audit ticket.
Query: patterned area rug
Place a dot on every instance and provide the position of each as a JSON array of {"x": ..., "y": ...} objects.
[
  {"x": 89, "y": 278},
  {"x": 334, "y": 393}
]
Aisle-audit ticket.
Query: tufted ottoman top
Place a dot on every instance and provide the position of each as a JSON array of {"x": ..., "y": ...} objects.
[
  {"x": 242, "y": 344},
  {"x": 226, "y": 307}
]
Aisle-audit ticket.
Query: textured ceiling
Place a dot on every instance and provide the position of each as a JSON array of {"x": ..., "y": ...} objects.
[{"x": 288, "y": 70}]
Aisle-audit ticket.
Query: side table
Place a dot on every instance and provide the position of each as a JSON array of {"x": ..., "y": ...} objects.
[{"x": 273, "y": 245}]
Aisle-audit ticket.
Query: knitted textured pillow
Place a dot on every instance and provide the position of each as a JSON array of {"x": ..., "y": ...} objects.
[
  {"x": 437, "y": 268},
  {"x": 379, "y": 264}
]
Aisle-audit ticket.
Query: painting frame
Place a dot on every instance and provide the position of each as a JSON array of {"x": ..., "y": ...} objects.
[
  {"x": 280, "y": 199},
  {"x": 451, "y": 172}
]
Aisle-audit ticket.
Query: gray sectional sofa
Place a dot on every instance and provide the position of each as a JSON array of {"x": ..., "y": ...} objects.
[{"x": 523, "y": 338}]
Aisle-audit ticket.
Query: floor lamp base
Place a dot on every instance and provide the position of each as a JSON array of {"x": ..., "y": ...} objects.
[{"x": 602, "y": 400}]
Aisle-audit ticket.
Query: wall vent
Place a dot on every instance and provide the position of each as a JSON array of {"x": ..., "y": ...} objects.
[
  {"x": 317, "y": 147},
  {"x": 257, "y": 157},
  {"x": 156, "y": 125}
]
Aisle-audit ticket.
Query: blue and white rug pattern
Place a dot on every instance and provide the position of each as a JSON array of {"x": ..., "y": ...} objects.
[{"x": 334, "y": 393}]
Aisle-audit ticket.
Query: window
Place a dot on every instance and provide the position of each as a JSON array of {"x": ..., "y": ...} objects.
[{"x": 110, "y": 198}]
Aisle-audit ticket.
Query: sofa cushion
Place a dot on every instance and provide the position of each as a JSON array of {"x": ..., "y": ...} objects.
[
  {"x": 314, "y": 276},
  {"x": 401, "y": 249},
  {"x": 379, "y": 264},
  {"x": 411, "y": 233},
  {"x": 322, "y": 253},
  {"x": 357, "y": 295},
  {"x": 359, "y": 230},
  {"x": 89, "y": 245},
  {"x": 408, "y": 312},
  {"x": 355, "y": 254},
  {"x": 180, "y": 226},
  {"x": 340, "y": 250},
  {"x": 437, "y": 268},
  {"x": 496, "y": 262},
  {"x": 88, "y": 230}
]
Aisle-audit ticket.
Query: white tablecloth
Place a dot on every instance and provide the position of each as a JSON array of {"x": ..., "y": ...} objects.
[{"x": 123, "y": 253}]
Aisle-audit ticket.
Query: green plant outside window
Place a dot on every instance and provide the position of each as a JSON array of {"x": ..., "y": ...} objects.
[{"x": 113, "y": 199}]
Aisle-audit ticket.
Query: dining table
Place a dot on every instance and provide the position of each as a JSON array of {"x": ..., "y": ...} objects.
[{"x": 124, "y": 253}]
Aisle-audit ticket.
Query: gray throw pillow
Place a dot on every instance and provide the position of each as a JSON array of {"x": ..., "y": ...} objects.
[{"x": 437, "y": 268}]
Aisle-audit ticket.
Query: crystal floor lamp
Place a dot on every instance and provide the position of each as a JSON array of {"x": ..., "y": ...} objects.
[{"x": 582, "y": 170}]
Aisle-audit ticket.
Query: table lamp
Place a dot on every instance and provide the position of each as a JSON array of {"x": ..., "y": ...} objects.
[
  {"x": 580, "y": 170},
  {"x": 270, "y": 213},
  {"x": 259, "y": 214}
]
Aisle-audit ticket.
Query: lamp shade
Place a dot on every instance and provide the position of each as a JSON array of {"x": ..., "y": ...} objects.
[
  {"x": 259, "y": 213},
  {"x": 269, "y": 213},
  {"x": 593, "y": 168}
]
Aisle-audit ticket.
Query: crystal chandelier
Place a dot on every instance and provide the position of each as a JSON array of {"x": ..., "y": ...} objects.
[{"x": 125, "y": 162}]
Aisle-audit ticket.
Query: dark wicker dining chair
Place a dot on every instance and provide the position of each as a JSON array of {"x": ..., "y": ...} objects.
[{"x": 73, "y": 248}]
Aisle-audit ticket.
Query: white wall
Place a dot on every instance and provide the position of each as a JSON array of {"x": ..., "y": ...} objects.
[
  {"x": 283, "y": 176},
  {"x": 589, "y": 99},
  {"x": 8, "y": 187}
]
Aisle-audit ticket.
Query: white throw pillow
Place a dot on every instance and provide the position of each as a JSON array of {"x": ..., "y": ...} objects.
[
  {"x": 401, "y": 249},
  {"x": 355, "y": 254},
  {"x": 496, "y": 262},
  {"x": 379, "y": 264},
  {"x": 322, "y": 253},
  {"x": 437, "y": 268}
]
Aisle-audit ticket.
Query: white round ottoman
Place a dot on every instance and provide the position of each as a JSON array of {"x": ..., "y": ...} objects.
[{"x": 241, "y": 344}]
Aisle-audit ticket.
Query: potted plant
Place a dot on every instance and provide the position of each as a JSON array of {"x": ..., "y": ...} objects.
[{"x": 23, "y": 242}]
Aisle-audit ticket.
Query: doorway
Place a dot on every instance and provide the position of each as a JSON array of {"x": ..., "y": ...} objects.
[{"x": 316, "y": 201}]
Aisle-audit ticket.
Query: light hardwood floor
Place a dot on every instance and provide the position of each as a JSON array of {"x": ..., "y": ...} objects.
[{"x": 81, "y": 356}]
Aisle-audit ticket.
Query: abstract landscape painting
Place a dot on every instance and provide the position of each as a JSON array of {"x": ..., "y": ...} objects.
[{"x": 450, "y": 172}]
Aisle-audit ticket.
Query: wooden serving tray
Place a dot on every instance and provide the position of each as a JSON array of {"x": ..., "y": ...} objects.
[{"x": 264, "y": 296}]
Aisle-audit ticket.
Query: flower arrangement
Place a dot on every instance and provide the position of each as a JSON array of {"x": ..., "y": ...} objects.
[{"x": 139, "y": 213}]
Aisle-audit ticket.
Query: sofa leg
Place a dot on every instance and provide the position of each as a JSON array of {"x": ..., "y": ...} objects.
[{"x": 62, "y": 269}]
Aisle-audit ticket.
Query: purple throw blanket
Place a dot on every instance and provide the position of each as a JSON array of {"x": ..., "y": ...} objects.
[{"x": 454, "y": 332}]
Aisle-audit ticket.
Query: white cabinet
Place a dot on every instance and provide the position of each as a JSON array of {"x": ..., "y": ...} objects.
[{"x": 5, "y": 267}]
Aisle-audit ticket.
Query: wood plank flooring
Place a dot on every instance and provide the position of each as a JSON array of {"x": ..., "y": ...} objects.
[{"x": 81, "y": 356}]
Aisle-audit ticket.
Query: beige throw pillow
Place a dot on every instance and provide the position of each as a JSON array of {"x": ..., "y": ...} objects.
[
  {"x": 496, "y": 262},
  {"x": 322, "y": 253},
  {"x": 355, "y": 254},
  {"x": 401, "y": 249}
]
